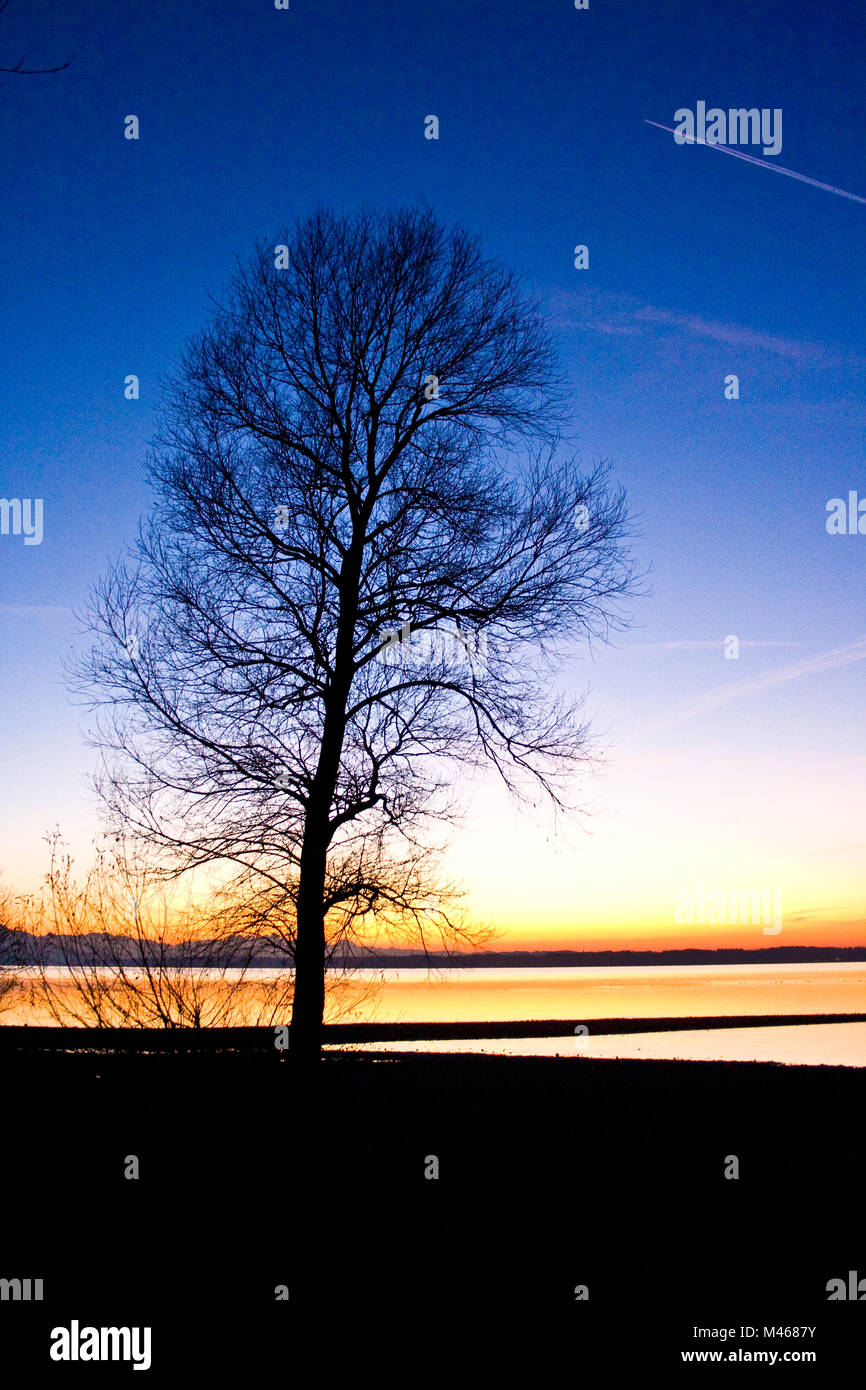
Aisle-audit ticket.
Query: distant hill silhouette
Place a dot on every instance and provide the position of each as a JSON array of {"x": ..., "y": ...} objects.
[
  {"x": 393, "y": 959},
  {"x": 14, "y": 945}
]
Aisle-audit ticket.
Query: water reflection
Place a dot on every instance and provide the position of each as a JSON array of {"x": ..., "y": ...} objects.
[{"x": 817, "y": 1044}]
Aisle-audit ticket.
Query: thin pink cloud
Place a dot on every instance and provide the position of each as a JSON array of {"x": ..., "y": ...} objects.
[{"x": 602, "y": 311}]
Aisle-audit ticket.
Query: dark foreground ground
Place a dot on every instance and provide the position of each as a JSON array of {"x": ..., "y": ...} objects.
[{"x": 552, "y": 1174}]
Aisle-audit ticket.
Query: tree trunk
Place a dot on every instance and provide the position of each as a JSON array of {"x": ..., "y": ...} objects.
[{"x": 308, "y": 1005}]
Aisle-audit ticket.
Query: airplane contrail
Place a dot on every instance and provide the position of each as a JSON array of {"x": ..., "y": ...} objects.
[{"x": 751, "y": 159}]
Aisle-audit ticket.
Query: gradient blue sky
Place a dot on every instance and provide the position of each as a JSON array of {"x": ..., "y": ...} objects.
[{"x": 736, "y": 772}]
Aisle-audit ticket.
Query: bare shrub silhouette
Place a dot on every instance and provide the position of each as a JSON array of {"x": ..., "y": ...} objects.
[
  {"x": 133, "y": 958},
  {"x": 13, "y": 951}
]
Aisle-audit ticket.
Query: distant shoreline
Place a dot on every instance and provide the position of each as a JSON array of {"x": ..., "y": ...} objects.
[
  {"x": 528, "y": 960},
  {"x": 180, "y": 955}
]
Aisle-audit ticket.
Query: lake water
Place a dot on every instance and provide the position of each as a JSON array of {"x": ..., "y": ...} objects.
[
  {"x": 643, "y": 991},
  {"x": 815, "y": 1045},
  {"x": 682, "y": 991},
  {"x": 582, "y": 994}
]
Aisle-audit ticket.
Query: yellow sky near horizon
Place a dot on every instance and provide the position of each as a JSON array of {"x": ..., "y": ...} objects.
[
  {"x": 740, "y": 806},
  {"x": 664, "y": 832}
]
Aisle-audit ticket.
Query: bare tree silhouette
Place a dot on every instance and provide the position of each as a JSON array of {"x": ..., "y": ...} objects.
[
  {"x": 19, "y": 70},
  {"x": 12, "y": 949},
  {"x": 362, "y": 443}
]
